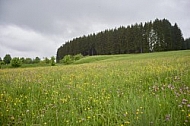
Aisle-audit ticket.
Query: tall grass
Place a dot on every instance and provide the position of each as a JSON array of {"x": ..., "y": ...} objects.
[{"x": 147, "y": 89}]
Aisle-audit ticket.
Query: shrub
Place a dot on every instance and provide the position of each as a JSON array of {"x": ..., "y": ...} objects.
[
  {"x": 52, "y": 61},
  {"x": 16, "y": 62},
  {"x": 78, "y": 57},
  {"x": 68, "y": 59}
]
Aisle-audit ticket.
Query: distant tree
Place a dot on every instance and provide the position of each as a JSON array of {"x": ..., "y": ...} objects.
[
  {"x": 7, "y": 59},
  {"x": 36, "y": 60},
  {"x": 22, "y": 59},
  {"x": 28, "y": 61},
  {"x": 1, "y": 62},
  {"x": 52, "y": 61},
  {"x": 186, "y": 44},
  {"x": 177, "y": 38},
  {"x": 47, "y": 61},
  {"x": 158, "y": 35},
  {"x": 16, "y": 62}
]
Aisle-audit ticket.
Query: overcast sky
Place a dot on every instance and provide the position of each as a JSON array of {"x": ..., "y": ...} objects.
[{"x": 30, "y": 28}]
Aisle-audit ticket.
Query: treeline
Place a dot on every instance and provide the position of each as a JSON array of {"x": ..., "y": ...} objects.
[
  {"x": 158, "y": 35},
  {"x": 17, "y": 62}
]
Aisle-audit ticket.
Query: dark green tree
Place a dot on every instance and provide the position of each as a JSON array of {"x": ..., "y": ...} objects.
[
  {"x": 186, "y": 44},
  {"x": 28, "y": 61},
  {"x": 158, "y": 35},
  {"x": 177, "y": 38},
  {"x": 7, "y": 59},
  {"x": 47, "y": 61},
  {"x": 1, "y": 62},
  {"x": 22, "y": 59},
  {"x": 36, "y": 60}
]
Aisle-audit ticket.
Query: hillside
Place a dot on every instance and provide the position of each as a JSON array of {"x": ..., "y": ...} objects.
[
  {"x": 114, "y": 90},
  {"x": 120, "y": 57},
  {"x": 159, "y": 35}
]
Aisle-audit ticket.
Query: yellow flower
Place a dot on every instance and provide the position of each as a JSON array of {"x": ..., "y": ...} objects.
[{"x": 127, "y": 122}]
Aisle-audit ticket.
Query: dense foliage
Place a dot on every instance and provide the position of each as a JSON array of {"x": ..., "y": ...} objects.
[
  {"x": 68, "y": 59},
  {"x": 8, "y": 62},
  {"x": 16, "y": 62},
  {"x": 159, "y": 35},
  {"x": 187, "y": 43},
  {"x": 52, "y": 61},
  {"x": 7, "y": 59}
]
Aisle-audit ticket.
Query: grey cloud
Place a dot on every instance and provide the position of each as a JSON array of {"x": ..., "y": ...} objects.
[{"x": 49, "y": 23}]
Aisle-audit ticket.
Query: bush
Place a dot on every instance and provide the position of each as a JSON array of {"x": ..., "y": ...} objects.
[
  {"x": 16, "y": 62},
  {"x": 78, "y": 57},
  {"x": 52, "y": 61},
  {"x": 1, "y": 64},
  {"x": 68, "y": 59}
]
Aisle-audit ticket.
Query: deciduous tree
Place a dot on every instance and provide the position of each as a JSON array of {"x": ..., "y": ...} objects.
[{"x": 7, "y": 59}]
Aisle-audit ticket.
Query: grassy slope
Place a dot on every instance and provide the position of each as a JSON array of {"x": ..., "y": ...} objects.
[
  {"x": 110, "y": 58},
  {"x": 135, "y": 89}
]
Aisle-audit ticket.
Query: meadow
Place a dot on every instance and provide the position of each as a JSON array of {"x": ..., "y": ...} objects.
[{"x": 150, "y": 89}]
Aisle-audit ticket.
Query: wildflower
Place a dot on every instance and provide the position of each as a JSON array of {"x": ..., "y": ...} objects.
[
  {"x": 127, "y": 122},
  {"x": 183, "y": 103},
  {"x": 180, "y": 106},
  {"x": 167, "y": 117},
  {"x": 184, "y": 100},
  {"x": 125, "y": 114}
]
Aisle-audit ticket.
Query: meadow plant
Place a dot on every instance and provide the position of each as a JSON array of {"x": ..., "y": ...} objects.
[{"x": 153, "y": 89}]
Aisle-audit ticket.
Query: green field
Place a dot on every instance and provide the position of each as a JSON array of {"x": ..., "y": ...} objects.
[{"x": 150, "y": 89}]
